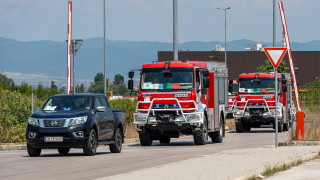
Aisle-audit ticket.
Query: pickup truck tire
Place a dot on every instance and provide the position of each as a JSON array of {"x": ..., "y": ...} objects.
[
  {"x": 117, "y": 145},
  {"x": 239, "y": 127},
  {"x": 91, "y": 147},
  {"x": 63, "y": 150},
  {"x": 164, "y": 140},
  {"x": 33, "y": 152},
  {"x": 217, "y": 137},
  {"x": 145, "y": 139},
  {"x": 247, "y": 127}
]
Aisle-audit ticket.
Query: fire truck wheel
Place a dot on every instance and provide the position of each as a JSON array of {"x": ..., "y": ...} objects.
[
  {"x": 145, "y": 139},
  {"x": 199, "y": 137},
  {"x": 285, "y": 127},
  {"x": 217, "y": 137},
  {"x": 239, "y": 127},
  {"x": 280, "y": 126},
  {"x": 164, "y": 140}
]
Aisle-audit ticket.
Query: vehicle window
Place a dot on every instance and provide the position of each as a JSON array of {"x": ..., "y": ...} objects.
[
  {"x": 66, "y": 103},
  {"x": 97, "y": 102},
  {"x": 103, "y": 102}
]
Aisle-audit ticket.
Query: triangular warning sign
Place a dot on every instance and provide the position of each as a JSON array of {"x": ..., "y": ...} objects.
[{"x": 275, "y": 55}]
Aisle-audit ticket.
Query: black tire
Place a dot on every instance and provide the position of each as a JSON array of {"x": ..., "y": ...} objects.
[
  {"x": 285, "y": 127},
  {"x": 217, "y": 137},
  {"x": 280, "y": 126},
  {"x": 33, "y": 152},
  {"x": 200, "y": 136},
  {"x": 239, "y": 127},
  {"x": 63, "y": 150},
  {"x": 92, "y": 143},
  {"x": 164, "y": 140},
  {"x": 145, "y": 139},
  {"x": 247, "y": 127},
  {"x": 117, "y": 145}
]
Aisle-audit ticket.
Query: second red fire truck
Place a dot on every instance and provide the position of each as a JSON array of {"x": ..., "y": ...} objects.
[{"x": 255, "y": 103}]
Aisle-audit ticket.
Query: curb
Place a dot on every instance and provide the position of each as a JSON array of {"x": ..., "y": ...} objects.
[{"x": 23, "y": 146}]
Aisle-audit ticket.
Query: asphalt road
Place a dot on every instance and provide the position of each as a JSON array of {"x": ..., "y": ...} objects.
[{"x": 50, "y": 165}]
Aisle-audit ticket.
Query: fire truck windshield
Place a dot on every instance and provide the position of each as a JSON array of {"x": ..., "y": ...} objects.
[
  {"x": 258, "y": 86},
  {"x": 153, "y": 79}
]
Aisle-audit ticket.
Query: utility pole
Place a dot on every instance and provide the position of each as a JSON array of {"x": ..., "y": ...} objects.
[
  {"x": 175, "y": 31},
  {"x": 104, "y": 48},
  {"x": 225, "y": 33}
]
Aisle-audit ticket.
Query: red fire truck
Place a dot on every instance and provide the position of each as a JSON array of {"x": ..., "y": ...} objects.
[
  {"x": 255, "y": 102},
  {"x": 232, "y": 94},
  {"x": 181, "y": 97}
]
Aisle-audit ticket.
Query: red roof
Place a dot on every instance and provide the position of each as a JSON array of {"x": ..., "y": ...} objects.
[
  {"x": 191, "y": 64},
  {"x": 253, "y": 75}
]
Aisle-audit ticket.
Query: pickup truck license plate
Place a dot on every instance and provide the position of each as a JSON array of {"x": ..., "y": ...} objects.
[{"x": 53, "y": 139}]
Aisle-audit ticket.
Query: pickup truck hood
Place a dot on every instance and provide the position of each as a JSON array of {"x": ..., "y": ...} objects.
[{"x": 60, "y": 114}]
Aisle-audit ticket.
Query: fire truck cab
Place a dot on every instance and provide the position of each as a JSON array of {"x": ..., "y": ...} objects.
[
  {"x": 232, "y": 94},
  {"x": 181, "y": 97}
]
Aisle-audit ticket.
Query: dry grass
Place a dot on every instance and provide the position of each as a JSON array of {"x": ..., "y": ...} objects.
[
  {"x": 131, "y": 132},
  {"x": 312, "y": 125},
  {"x": 231, "y": 124}
]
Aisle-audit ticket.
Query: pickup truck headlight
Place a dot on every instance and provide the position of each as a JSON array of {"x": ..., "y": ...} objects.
[
  {"x": 78, "y": 120},
  {"x": 33, "y": 121}
]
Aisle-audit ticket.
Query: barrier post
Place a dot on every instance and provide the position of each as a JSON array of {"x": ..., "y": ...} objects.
[{"x": 300, "y": 126}]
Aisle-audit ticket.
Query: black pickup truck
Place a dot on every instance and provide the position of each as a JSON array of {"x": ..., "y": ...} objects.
[{"x": 75, "y": 121}]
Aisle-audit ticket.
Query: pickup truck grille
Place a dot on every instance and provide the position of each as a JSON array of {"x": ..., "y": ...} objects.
[{"x": 54, "y": 123}]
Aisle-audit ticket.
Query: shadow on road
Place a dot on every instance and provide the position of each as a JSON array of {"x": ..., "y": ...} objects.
[{"x": 71, "y": 154}]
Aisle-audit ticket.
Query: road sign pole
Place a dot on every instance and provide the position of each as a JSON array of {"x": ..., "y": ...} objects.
[{"x": 276, "y": 107}]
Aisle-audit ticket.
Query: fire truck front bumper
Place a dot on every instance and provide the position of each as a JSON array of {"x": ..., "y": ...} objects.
[
  {"x": 187, "y": 118},
  {"x": 264, "y": 114}
]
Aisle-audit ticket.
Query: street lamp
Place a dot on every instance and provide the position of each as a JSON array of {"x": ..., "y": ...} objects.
[{"x": 225, "y": 32}]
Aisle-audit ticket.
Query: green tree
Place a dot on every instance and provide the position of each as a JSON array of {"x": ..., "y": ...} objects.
[
  {"x": 5, "y": 82},
  {"x": 118, "y": 79},
  {"x": 98, "y": 85},
  {"x": 25, "y": 88},
  {"x": 267, "y": 67},
  {"x": 80, "y": 88},
  {"x": 53, "y": 88}
]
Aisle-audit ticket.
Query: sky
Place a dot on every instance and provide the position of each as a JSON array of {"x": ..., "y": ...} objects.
[{"x": 151, "y": 20}]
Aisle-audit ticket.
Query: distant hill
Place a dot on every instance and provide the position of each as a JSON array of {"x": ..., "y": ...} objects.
[{"x": 46, "y": 60}]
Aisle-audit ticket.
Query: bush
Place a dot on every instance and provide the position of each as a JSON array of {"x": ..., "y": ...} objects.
[{"x": 128, "y": 106}]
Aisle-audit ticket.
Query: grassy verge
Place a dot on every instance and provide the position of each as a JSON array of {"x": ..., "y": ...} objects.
[
  {"x": 271, "y": 170},
  {"x": 312, "y": 125}
]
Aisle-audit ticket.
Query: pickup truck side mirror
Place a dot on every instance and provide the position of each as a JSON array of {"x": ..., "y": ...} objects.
[
  {"x": 101, "y": 108},
  {"x": 206, "y": 82},
  {"x": 36, "y": 109},
  {"x": 130, "y": 84}
]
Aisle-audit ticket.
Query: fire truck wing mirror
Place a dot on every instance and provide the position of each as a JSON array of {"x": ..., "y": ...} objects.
[
  {"x": 229, "y": 88},
  {"x": 284, "y": 81},
  {"x": 284, "y": 88},
  {"x": 131, "y": 74},
  {"x": 206, "y": 82},
  {"x": 256, "y": 81},
  {"x": 166, "y": 73},
  {"x": 130, "y": 84},
  {"x": 205, "y": 72}
]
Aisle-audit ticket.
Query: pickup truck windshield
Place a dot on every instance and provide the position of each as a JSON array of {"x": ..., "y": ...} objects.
[
  {"x": 179, "y": 79},
  {"x": 252, "y": 86},
  {"x": 68, "y": 103}
]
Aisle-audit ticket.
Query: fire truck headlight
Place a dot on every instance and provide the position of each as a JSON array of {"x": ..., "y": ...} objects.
[
  {"x": 140, "y": 117},
  {"x": 193, "y": 117},
  {"x": 237, "y": 112}
]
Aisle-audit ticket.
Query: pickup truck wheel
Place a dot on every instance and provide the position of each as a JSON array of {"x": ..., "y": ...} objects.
[
  {"x": 33, "y": 152},
  {"x": 63, "y": 150},
  {"x": 145, "y": 139},
  {"x": 117, "y": 145},
  {"x": 217, "y": 137},
  {"x": 91, "y": 147},
  {"x": 164, "y": 140},
  {"x": 239, "y": 127},
  {"x": 247, "y": 127}
]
